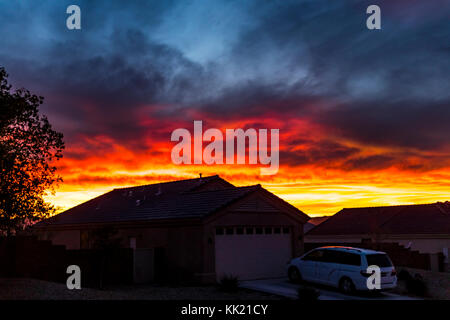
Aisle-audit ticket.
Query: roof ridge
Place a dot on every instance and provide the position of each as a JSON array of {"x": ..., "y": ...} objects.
[
  {"x": 392, "y": 217},
  {"x": 390, "y": 206},
  {"x": 444, "y": 207},
  {"x": 284, "y": 202},
  {"x": 167, "y": 182},
  {"x": 222, "y": 189},
  {"x": 321, "y": 224}
]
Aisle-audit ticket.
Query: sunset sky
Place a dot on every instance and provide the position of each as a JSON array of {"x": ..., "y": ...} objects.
[{"x": 364, "y": 115}]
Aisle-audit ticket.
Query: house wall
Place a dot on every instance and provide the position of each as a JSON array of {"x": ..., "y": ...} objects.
[
  {"x": 338, "y": 239},
  {"x": 68, "y": 238},
  {"x": 146, "y": 237},
  {"x": 180, "y": 247},
  {"x": 425, "y": 245}
]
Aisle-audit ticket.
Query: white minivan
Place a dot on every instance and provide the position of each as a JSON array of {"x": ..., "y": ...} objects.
[{"x": 342, "y": 267}]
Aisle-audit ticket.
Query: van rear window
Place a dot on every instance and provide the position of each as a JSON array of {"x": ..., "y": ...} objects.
[{"x": 381, "y": 260}]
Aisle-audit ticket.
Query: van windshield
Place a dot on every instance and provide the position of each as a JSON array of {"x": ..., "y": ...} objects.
[{"x": 379, "y": 259}]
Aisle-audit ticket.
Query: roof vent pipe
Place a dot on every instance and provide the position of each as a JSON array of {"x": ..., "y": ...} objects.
[{"x": 159, "y": 190}]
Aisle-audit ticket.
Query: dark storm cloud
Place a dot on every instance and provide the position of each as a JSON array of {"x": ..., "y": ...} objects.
[
  {"x": 322, "y": 153},
  {"x": 103, "y": 92},
  {"x": 370, "y": 162},
  {"x": 411, "y": 124},
  {"x": 387, "y": 88}
]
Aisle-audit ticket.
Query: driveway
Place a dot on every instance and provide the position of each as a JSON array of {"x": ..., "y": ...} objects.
[{"x": 283, "y": 287}]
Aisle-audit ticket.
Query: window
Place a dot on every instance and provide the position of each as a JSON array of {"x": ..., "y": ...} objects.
[
  {"x": 347, "y": 258},
  {"x": 381, "y": 260},
  {"x": 229, "y": 231},
  {"x": 268, "y": 230},
  {"x": 277, "y": 230},
  {"x": 249, "y": 230},
  {"x": 258, "y": 230},
  {"x": 239, "y": 230},
  {"x": 331, "y": 256},
  {"x": 219, "y": 231},
  {"x": 316, "y": 255},
  {"x": 286, "y": 230},
  {"x": 352, "y": 259}
]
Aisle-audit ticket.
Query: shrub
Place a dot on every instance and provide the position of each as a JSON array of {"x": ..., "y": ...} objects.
[
  {"x": 229, "y": 283},
  {"x": 416, "y": 285},
  {"x": 404, "y": 275},
  {"x": 308, "y": 294}
]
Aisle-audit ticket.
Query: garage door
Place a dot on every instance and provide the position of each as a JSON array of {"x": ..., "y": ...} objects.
[{"x": 252, "y": 252}]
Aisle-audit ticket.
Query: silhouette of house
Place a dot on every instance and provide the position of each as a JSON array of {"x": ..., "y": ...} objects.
[
  {"x": 200, "y": 228},
  {"x": 313, "y": 222},
  {"x": 424, "y": 227}
]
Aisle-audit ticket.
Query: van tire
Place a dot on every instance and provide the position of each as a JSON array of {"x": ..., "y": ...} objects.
[
  {"x": 346, "y": 285},
  {"x": 294, "y": 275}
]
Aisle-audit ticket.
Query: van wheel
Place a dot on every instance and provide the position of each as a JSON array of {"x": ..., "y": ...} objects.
[
  {"x": 346, "y": 286},
  {"x": 294, "y": 275}
]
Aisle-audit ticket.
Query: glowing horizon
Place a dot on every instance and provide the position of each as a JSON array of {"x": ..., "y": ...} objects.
[{"x": 315, "y": 196}]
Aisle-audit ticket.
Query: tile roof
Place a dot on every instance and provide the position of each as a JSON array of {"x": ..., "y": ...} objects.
[
  {"x": 431, "y": 218},
  {"x": 177, "y": 199}
]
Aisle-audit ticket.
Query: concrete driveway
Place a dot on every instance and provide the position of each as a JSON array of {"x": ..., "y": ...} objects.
[{"x": 283, "y": 287}]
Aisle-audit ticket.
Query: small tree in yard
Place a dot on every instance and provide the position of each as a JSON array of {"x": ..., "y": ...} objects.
[
  {"x": 106, "y": 240},
  {"x": 28, "y": 148}
]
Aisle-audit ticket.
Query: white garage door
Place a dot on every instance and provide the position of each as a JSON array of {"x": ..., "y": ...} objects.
[{"x": 252, "y": 253}]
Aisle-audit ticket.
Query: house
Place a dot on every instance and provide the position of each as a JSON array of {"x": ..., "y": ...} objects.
[
  {"x": 202, "y": 228},
  {"x": 424, "y": 228},
  {"x": 314, "y": 222}
]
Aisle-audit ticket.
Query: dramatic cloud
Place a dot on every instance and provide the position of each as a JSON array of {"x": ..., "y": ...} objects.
[{"x": 348, "y": 101}]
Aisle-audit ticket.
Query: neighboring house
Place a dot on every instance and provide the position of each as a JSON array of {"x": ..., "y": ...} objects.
[
  {"x": 203, "y": 227},
  {"x": 314, "y": 222},
  {"x": 424, "y": 227}
]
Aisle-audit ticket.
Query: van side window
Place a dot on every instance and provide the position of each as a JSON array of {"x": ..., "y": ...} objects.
[
  {"x": 348, "y": 258},
  {"x": 316, "y": 255},
  {"x": 340, "y": 257},
  {"x": 331, "y": 256}
]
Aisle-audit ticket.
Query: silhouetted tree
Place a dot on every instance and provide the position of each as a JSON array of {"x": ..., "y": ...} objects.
[{"x": 28, "y": 148}]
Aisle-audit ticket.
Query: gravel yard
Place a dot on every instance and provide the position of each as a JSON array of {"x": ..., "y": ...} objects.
[
  {"x": 437, "y": 283},
  {"x": 31, "y": 289}
]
